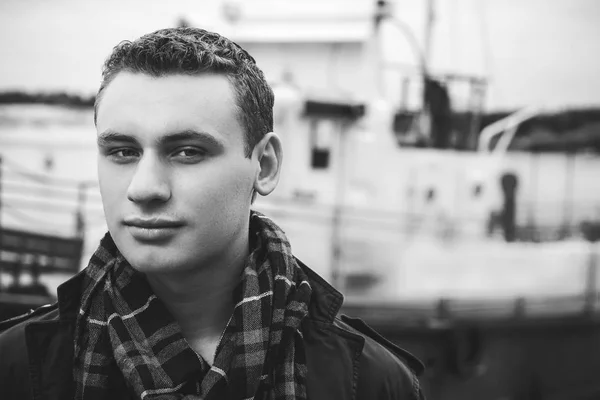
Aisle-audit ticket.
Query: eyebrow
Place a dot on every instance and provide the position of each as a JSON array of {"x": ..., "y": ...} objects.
[
  {"x": 110, "y": 136},
  {"x": 190, "y": 134}
]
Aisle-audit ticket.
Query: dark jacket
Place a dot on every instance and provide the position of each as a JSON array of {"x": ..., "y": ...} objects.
[{"x": 345, "y": 359}]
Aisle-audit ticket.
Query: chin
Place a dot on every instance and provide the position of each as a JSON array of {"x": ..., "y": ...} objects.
[
  {"x": 151, "y": 258},
  {"x": 149, "y": 262}
]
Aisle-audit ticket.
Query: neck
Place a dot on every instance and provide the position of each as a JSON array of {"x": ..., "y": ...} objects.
[{"x": 201, "y": 299}]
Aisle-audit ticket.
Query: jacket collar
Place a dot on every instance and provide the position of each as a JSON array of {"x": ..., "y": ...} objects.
[
  {"x": 69, "y": 297},
  {"x": 326, "y": 301},
  {"x": 69, "y": 293}
]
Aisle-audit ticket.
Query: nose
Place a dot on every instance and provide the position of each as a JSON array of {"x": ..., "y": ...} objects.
[{"x": 149, "y": 183}]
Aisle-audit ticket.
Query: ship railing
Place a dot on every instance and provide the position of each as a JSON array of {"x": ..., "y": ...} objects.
[
  {"x": 507, "y": 128},
  {"x": 42, "y": 227},
  {"x": 401, "y": 264}
]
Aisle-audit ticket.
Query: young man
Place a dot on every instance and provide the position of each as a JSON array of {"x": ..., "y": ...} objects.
[{"x": 191, "y": 295}]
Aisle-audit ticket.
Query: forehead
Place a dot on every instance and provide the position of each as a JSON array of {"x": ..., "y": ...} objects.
[{"x": 137, "y": 103}]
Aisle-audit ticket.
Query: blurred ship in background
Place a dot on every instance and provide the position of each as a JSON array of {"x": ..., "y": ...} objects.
[{"x": 479, "y": 259}]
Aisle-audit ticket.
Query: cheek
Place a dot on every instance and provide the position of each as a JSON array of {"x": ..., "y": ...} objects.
[
  {"x": 113, "y": 187},
  {"x": 221, "y": 188},
  {"x": 240, "y": 182}
]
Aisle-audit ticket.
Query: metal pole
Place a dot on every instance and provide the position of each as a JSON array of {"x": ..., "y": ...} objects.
[
  {"x": 404, "y": 94},
  {"x": 1, "y": 230},
  {"x": 591, "y": 287},
  {"x": 336, "y": 241},
  {"x": 532, "y": 228},
  {"x": 429, "y": 19},
  {"x": 79, "y": 215},
  {"x": 0, "y": 198},
  {"x": 568, "y": 199},
  {"x": 478, "y": 97}
]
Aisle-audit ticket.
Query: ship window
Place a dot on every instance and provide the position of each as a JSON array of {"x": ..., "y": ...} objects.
[
  {"x": 321, "y": 137},
  {"x": 320, "y": 158}
]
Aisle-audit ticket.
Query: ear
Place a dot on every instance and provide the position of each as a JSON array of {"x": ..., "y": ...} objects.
[{"x": 268, "y": 155}]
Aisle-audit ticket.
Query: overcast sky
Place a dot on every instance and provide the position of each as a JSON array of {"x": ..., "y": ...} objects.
[{"x": 534, "y": 51}]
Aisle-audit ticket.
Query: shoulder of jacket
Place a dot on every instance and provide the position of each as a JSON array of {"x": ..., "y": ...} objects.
[
  {"x": 15, "y": 380},
  {"x": 357, "y": 325},
  {"x": 27, "y": 317},
  {"x": 387, "y": 371}
]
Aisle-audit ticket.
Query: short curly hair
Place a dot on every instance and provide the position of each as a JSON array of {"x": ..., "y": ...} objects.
[{"x": 192, "y": 51}]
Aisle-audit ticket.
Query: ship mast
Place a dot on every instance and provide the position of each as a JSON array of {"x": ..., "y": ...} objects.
[{"x": 429, "y": 21}]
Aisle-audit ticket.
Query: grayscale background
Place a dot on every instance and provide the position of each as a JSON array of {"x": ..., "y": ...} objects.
[{"x": 405, "y": 124}]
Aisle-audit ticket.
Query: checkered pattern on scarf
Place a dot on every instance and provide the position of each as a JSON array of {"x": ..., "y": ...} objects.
[{"x": 123, "y": 329}]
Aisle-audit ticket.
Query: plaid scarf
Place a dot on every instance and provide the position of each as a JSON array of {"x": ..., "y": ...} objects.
[{"x": 123, "y": 329}]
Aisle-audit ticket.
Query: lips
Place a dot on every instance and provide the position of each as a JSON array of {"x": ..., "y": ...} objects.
[
  {"x": 152, "y": 229},
  {"x": 152, "y": 223}
]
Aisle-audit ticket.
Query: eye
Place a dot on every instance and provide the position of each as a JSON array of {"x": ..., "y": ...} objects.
[
  {"x": 123, "y": 155},
  {"x": 189, "y": 153}
]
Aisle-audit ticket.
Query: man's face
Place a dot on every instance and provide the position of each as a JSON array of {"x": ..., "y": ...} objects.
[{"x": 175, "y": 184}]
